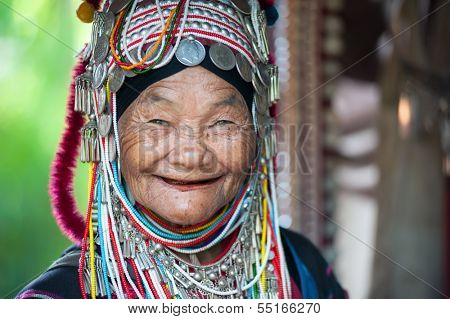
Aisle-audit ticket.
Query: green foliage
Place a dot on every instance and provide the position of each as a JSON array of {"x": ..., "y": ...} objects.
[{"x": 38, "y": 42}]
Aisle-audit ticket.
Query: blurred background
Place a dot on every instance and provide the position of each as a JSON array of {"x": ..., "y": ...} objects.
[{"x": 364, "y": 173}]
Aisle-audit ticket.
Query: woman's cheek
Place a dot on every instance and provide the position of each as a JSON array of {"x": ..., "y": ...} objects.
[{"x": 236, "y": 154}]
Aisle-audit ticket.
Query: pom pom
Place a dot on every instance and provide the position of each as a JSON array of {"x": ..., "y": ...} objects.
[
  {"x": 271, "y": 15},
  {"x": 85, "y": 12}
]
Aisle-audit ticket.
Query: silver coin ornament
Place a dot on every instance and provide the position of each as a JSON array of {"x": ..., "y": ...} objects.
[
  {"x": 190, "y": 52},
  {"x": 257, "y": 85},
  {"x": 101, "y": 48},
  {"x": 104, "y": 124},
  {"x": 222, "y": 56},
  {"x": 101, "y": 99},
  {"x": 112, "y": 150},
  {"x": 110, "y": 19},
  {"x": 118, "y": 5},
  {"x": 100, "y": 72},
  {"x": 262, "y": 103},
  {"x": 244, "y": 67},
  {"x": 242, "y": 6},
  {"x": 263, "y": 74},
  {"x": 116, "y": 79}
]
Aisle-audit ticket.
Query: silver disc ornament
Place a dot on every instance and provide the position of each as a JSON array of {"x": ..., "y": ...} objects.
[
  {"x": 110, "y": 19},
  {"x": 263, "y": 74},
  {"x": 116, "y": 79},
  {"x": 244, "y": 67},
  {"x": 101, "y": 99},
  {"x": 100, "y": 72},
  {"x": 190, "y": 52},
  {"x": 104, "y": 124},
  {"x": 222, "y": 56},
  {"x": 101, "y": 48}
]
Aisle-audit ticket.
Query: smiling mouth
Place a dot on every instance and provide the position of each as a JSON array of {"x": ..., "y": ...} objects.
[{"x": 185, "y": 185}]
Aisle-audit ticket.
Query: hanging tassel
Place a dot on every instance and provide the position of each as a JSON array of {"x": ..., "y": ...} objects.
[
  {"x": 90, "y": 147},
  {"x": 62, "y": 199}
]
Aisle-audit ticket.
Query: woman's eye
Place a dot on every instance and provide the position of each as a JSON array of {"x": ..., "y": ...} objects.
[
  {"x": 159, "y": 122},
  {"x": 223, "y": 122}
]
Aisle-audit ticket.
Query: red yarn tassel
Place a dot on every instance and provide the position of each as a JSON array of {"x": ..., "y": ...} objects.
[{"x": 69, "y": 220}]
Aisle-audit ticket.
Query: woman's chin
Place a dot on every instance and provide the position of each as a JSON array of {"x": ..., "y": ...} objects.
[{"x": 181, "y": 217}]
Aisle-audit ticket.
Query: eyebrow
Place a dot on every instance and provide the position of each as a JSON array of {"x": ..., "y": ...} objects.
[
  {"x": 155, "y": 98},
  {"x": 230, "y": 100}
]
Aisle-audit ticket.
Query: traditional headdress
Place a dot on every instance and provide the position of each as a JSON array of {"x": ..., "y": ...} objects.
[{"x": 128, "y": 251}]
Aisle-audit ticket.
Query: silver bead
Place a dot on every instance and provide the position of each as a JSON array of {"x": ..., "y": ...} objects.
[
  {"x": 225, "y": 32},
  {"x": 224, "y": 267},
  {"x": 198, "y": 276},
  {"x": 197, "y": 11},
  {"x": 234, "y": 256},
  {"x": 166, "y": 262},
  {"x": 206, "y": 26},
  {"x": 152, "y": 251},
  {"x": 222, "y": 282},
  {"x": 231, "y": 272},
  {"x": 195, "y": 24},
  {"x": 230, "y": 11},
  {"x": 212, "y": 276},
  {"x": 143, "y": 32},
  {"x": 134, "y": 36},
  {"x": 208, "y": 14},
  {"x": 177, "y": 274},
  {"x": 239, "y": 260},
  {"x": 184, "y": 267},
  {"x": 216, "y": 29},
  {"x": 158, "y": 247}
]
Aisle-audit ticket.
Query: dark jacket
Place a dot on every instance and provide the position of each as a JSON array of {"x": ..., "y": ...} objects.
[{"x": 306, "y": 265}]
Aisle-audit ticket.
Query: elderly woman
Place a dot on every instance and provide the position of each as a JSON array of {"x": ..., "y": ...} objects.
[{"x": 180, "y": 142}]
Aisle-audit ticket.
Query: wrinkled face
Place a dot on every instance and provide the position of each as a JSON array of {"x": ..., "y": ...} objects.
[{"x": 187, "y": 144}]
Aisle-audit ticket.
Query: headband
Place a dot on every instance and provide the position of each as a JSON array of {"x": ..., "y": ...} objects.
[{"x": 134, "y": 86}]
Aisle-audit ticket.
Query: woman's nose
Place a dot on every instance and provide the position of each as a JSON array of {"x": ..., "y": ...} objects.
[{"x": 190, "y": 152}]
